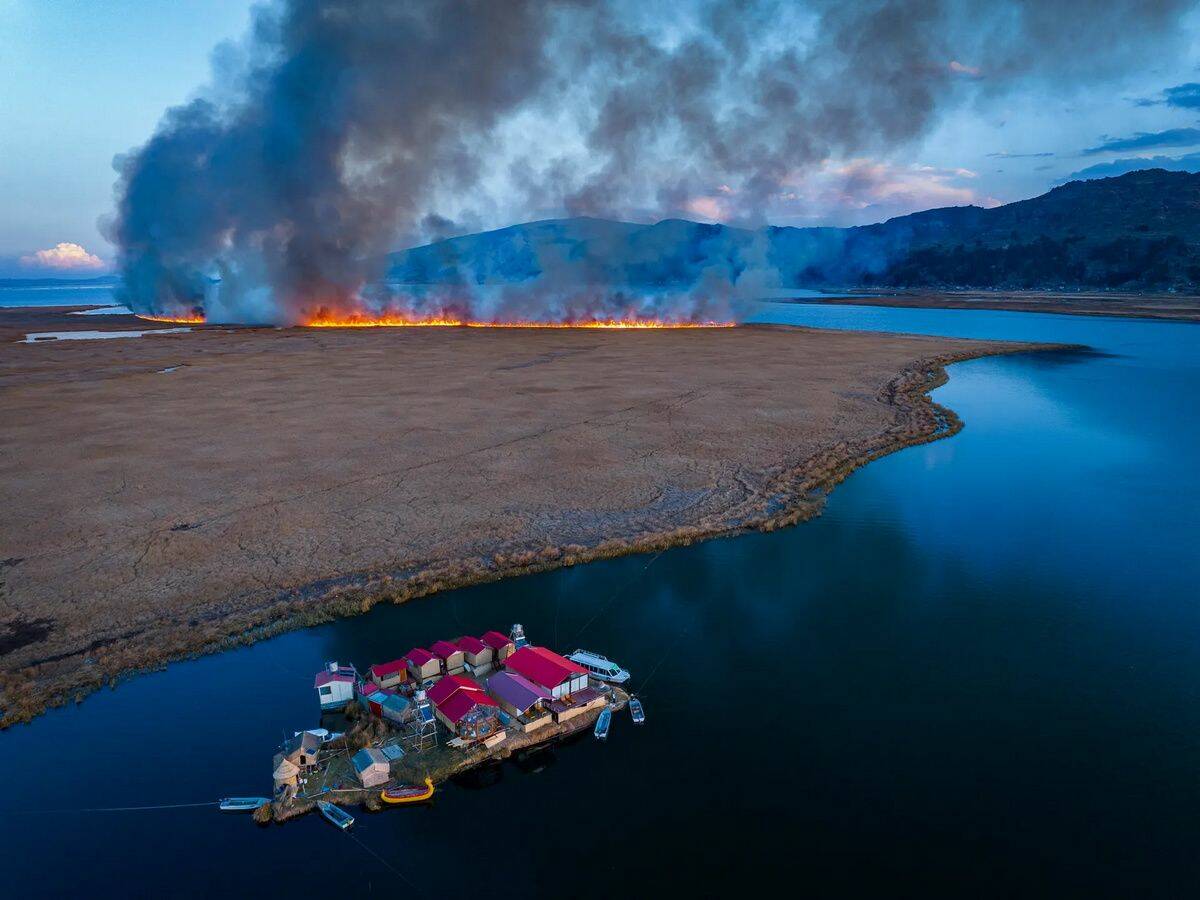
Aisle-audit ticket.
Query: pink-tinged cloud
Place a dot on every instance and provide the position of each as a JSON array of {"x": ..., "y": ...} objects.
[
  {"x": 709, "y": 208},
  {"x": 64, "y": 256},
  {"x": 962, "y": 69}
]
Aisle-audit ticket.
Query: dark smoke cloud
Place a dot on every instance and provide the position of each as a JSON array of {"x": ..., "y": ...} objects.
[{"x": 340, "y": 126}]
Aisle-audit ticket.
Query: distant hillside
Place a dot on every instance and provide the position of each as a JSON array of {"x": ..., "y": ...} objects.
[{"x": 1139, "y": 231}]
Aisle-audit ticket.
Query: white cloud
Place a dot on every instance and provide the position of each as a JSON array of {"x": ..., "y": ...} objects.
[{"x": 64, "y": 255}]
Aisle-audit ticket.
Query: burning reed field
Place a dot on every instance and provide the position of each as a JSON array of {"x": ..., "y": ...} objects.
[{"x": 178, "y": 494}]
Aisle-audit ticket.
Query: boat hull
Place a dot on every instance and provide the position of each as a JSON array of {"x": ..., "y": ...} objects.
[{"x": 410, "y": 793}]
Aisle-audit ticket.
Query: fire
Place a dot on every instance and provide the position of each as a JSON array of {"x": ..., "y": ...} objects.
[
  {"x": 409, "y": 322},
  {"x": 398, "y": 321},
  {"x": 188, "y": 319}
]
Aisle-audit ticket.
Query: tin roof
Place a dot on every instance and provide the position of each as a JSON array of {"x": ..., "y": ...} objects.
[
  {"x": 543, "y": 666},
  {"x": 516, "y": 690},
  {"x": 462, "y": 702},
  {"x": 418, "y": 656},
  {"x": 324, "y": 678},
  {"x": 392, "y": 751},
  {"x": 366, "y": 758},
  {"x": 443, "y": 649},
  {"x": 388, "y": 668},
  {"x": 495, "y": 639},
  {"x": 469, "y": 644},
  {"x": 451, "y": 685}
]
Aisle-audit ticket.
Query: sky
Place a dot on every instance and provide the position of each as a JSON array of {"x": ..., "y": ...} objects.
[{"x": 82, "y": 82}]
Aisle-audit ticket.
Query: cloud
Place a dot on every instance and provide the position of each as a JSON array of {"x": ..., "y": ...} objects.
[
  {"x": 961, "y": 69},
  {"x": 1004, "y": 154},
  {"x": 1143, "y": 140},
  {"x": 1188, "y": 163},
  {"x": 1181, "y": 96},
  {"x": 64, "y": 255}
]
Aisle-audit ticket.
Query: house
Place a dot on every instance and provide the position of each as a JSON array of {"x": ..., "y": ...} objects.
[
  {"x": 285, "y": 773},
  {"x": 501, "y": 646},
  {"x": 301, "y": 750},
  {"x": 390, "y": 674},
  {"x": 374, "y": 701},
  {"x": 543, "y": 667},
  {"x": 465, "y": 708},
  {"x": 423, "y": 666},
  {"x": 335, "y": 686},
  {"x": 478, "y": 656},
  {"x": 452, "y": 658},
  {"x": 371, "y": 767},
  {"x": 521, "y": 698},
  {"x": 397, "y": 709}
]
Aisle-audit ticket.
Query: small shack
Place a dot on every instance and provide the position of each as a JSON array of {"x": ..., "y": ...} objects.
[
  {"x": 501, "y": 646},
  {"x": 285, "y": 773},
  {"x": 302, "y": 750},
  {"x": 423, "y": 666},
  {"x": 389, "y": 674},
  {"x": 375, "y": 700},
  {"x": 453, "y": 659},
  {"x": 397, "y": 709},
  {"x": 478, "y": 656},
  {"x": 371, "y": 767},
  {"x": 335, "y": 686}
]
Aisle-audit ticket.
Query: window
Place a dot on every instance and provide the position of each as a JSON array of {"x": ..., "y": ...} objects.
[{"x": 325, "y": 691}]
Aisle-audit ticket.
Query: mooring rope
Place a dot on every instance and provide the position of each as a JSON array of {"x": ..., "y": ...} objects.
[
  {"x": 404, "y": 877},
  {"x": 615, "y": 595},
  {"x": 98, "y": 809}
]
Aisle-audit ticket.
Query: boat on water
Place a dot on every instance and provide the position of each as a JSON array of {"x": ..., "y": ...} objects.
[
  {"x": 636, "y": 710},
  {"x": 599, "y": 667},
  {"x": 408, "y": 793},
  {"x": 603, "y": 723},
  {"x": 335, "y": 814},
  {"x": 242, "y": 804}
]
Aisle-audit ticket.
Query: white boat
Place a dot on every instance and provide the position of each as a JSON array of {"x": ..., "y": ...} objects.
[
  {"x": 603, "y": 723},
  {"x": 600, "y": 667},
  {"x": 636, "y": 710},
  {"x": 335, "y": 814},
  {"x": 242, "y": 804}
]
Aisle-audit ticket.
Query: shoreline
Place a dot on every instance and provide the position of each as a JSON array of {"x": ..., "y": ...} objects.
[
  {"x": 1159, "y": 307},
  {"x": 791, "y": 496}
]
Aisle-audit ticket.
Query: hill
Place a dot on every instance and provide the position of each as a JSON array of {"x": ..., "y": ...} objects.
[{"x": 1139, "y": 231}]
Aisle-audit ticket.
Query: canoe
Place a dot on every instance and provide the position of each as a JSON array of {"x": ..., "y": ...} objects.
[
  {"x": 335, "y": 814},
  {"x": 603, "y": 723},
  {"x": 242, "y": 804},
  {"x": 408, "y": 793},
  {"x": 635, "y": 710}
]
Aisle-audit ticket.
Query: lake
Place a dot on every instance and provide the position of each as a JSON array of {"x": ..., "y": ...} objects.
[
  {"x": 977, "y": 673},
  {"x": 57, "y": 295}
]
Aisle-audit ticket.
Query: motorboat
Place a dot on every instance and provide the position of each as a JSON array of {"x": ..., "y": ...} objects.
[
  {"x": 408, "y": 793},
  {"x": 636, "y": 710},
  {"x": 242, "y": 804},
  {"x": 599, "y": 667},
  {"x": 335, "y": 815},
  {"x": 603, "y": 723}
]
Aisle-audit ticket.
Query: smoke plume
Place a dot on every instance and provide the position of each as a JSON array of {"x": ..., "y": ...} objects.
[{"x": 338, "y": 130}]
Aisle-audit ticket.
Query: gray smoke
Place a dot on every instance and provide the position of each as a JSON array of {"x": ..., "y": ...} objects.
[{"x": 338, "y": 128}]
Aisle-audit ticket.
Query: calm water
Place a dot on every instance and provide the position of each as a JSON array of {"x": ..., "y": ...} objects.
[
  {"x": 977, "y": 673},
  {"x": 57, "y": 295}
]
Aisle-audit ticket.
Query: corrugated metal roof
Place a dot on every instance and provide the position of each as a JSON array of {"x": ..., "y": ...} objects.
[
  {"x": 392, "y": 751},
  {"x": 515, "y": 690},
  {"x": 543, "y": 666}
]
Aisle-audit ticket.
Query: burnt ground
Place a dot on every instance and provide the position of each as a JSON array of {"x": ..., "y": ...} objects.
[{"x": 279, "y": 477}]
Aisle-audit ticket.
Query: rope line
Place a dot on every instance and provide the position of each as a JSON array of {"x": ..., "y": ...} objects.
[{"x": 588, "y": 624}]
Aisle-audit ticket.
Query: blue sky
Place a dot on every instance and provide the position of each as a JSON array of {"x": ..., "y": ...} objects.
[{"x": 82, "y": 82}]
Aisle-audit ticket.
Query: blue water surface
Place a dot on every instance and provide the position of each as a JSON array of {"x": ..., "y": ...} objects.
[{"x": 978, "y": 673}]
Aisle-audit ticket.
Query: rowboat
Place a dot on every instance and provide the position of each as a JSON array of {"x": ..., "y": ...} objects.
[
  {"x": 603, "y": 723},
  {"x": 335, "y": 814},
  {"x": 242, "y": 804},
  {"x": 635, "y": 710},
  {"x": 408, "y": 793}
]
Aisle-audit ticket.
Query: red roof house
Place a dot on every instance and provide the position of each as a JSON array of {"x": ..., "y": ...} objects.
[
  {"x": 479, "y": 657},
  {"x": 450, "y": 685},
  {"x": 463, "y": 707},
  {"x": 422, "y": 665},
  {"x": 452, "y": 658},
  {"x": 555, "y": 673},
  {"x": 389, "y": 674},
  {"x": 500, "y": 644}
]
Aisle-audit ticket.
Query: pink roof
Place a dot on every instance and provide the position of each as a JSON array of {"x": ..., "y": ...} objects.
[
  {"x": 418, "y": 656},
  {"x": 323, "y": 678},
  {"x": 451, "y": 685},
  {"x": 469, "y": 644},
  {"x": 444, "y": 649},
  {"x": 495, "y": 640},
  {"x": 388, "y": 668},
  {"x": 462, "y": 702},
  {"x": 542, "y": 666}
]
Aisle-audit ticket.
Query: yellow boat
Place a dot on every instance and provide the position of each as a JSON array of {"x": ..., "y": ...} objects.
[{"x": 408, "y": 793}]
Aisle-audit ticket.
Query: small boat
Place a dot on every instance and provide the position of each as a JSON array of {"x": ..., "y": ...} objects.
[
  {"x": 603, "y": 723},
  {"x": 242, "y": 804},
  {"x": 599, "y": 667},
  {"x": 635, "y": 710},
  {"x": 335, "y": 814},
  {"x": 408, "y": 793}
]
